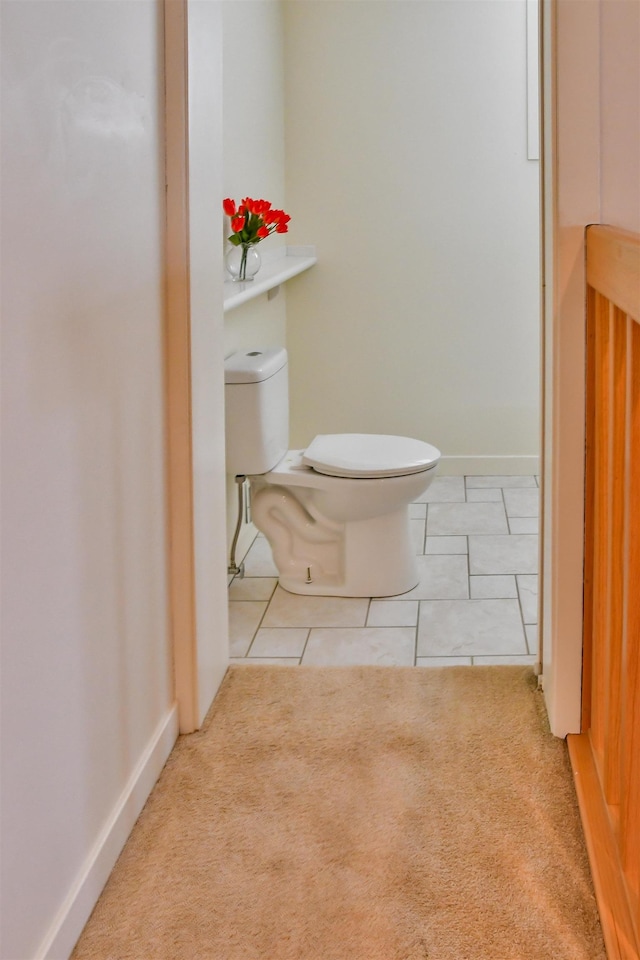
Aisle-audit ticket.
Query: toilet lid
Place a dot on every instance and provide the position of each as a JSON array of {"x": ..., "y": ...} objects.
[{"x": 369, "y": 455}]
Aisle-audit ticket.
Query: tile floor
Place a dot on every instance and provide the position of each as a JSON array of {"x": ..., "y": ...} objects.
[{"x": 476, "y": 602}]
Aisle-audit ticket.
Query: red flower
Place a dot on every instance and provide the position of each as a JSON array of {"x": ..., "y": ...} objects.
[
  {"x": 253, "y": 220},
  {"x": 257, "y": 207}
]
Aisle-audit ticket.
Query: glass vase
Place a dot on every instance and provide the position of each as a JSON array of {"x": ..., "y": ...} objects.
[{"x": 242, "y": 262}]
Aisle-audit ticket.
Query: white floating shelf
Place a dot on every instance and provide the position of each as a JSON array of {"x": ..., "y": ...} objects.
[{"x": 275, "y": 270}]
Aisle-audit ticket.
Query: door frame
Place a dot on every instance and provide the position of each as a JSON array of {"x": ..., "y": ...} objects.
[
  {"x": 195, "y": 321},
  {"x": 194, "y": 356},
  {"x": 570, "y": 201}
]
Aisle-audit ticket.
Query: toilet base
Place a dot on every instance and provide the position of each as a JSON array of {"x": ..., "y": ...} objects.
[{"x": 377, "y": 560}]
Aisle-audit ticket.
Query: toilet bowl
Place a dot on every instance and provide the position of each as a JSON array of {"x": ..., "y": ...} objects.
[{"x": 336, "y": 514}]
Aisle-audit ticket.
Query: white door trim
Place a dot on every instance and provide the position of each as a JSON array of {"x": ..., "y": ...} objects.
[
  {"x": 571, "y": 198},
  {"x": 195, "y": 355}
]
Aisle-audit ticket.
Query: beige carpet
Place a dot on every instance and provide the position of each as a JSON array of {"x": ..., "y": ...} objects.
[{"x": 358, "y": 813}]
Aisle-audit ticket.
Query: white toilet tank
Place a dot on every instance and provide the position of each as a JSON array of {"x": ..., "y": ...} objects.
[{"x": 256, "y": 396}]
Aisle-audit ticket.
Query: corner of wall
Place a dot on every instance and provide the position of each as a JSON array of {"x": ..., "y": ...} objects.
[{"x": 101, "y": 858}]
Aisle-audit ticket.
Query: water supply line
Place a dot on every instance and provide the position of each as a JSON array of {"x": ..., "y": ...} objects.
[{"x": 233, "y": 568}]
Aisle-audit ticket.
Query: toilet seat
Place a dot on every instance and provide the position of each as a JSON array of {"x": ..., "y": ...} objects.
[{"x": 369, "y": 455}]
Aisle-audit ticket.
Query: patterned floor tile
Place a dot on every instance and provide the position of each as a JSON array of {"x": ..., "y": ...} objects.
[
  {"x": 470, "y": 628},
  {"x": 436, "y": 545},
  {"x": 523, "y": 524},
  {"x": 252, "y": 588},
  {"x": 244, "y": 618},
  {"x": 522, "y": 503},
  {"x": 444, "y": 576},
  {"x": 443, "y": 661},
  {"x": 496, "y": 555},
  {"x": 267, "y": 661},
  {"x": 501, "y": 481},
  {"x": 531, "y": 631},
  {"x": 258, "y": 561},
  {"x": 493, "y": 588},
  {"x": 393, "y": 613},
  {"x": 285, "y": 642},
  {"x": 455, "y": 519},
  {"x": 502, "y": 661},
  {"x": 378, "y": 646},
  {"x": 444, "y": 490},
  {"x": 484, "y": 494},
  {"x": 292, "y": 610},
  {"x": 528, "y": 593}
]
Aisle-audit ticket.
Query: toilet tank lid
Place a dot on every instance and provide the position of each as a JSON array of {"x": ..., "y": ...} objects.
[{"x": 252, "y": 366}]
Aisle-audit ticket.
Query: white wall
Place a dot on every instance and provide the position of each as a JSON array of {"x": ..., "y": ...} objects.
[
  {"x": 620, "y": 112},
  {"x": 407, "y": 165},
  {"x": 86, "y": 678},
  {"x": 253, "y": 163},
  {"x": 253, "y": 145}
]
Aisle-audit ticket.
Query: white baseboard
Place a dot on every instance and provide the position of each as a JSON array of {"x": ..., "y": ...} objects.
[
  {"x": 489, "y": 466},
  {"x": 83, "y": 895}
]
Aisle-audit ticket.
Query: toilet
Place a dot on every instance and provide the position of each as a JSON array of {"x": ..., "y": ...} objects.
[{"x": 336, "y": 513}]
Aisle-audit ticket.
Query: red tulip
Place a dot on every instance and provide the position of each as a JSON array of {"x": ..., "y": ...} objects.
[{"x": 254, "y": 219}]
